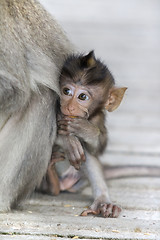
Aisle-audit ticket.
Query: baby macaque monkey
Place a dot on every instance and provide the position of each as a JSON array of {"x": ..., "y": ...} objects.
[{"x": 87, "y": 89}]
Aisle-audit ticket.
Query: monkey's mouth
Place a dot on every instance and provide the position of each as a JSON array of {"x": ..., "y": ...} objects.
[{"x": 73, "y": 116}]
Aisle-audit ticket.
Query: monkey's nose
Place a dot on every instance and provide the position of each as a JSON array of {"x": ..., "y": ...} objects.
[{"x": 71, "y": 108}]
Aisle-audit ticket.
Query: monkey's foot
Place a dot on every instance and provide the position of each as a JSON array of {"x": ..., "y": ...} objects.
[
  {"x": 69, "y": 178},
  {"x": 56, "y": 157},
  {"x": 104, "y": 210}
]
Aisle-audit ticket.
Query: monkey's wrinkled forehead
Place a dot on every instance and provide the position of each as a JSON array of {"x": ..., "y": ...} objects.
[{"x": 87, "y": 70}]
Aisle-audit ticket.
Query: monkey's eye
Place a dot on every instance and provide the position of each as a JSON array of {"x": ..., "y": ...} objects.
[
  {"x": 67, "y": 91},
  {"x": 83, "y": 97}
]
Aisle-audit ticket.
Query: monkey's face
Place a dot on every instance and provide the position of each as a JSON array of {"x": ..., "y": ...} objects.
[
  {"x": 87, "y": 86},
  {"x": 75, "y": 100}
]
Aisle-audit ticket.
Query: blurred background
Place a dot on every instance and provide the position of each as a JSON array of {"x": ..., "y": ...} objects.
[{"x": 126, "y": 35}]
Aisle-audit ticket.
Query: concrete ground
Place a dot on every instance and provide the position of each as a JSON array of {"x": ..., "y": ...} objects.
[{"x": 126, "y": 34}]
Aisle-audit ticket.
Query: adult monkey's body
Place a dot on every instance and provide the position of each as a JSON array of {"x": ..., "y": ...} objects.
[{"x": 32, "y": 50}]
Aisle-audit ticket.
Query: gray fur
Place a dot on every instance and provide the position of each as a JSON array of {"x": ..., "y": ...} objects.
[{"x": 32, "y": 50}]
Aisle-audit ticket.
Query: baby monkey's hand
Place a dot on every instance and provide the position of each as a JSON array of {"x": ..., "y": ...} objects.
[{"x": 74, "y": 150}]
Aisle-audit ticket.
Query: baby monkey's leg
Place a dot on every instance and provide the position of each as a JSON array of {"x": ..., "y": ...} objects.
[
  {"x": 50, "y": 183},
  {"x": 102, "y": 204}
]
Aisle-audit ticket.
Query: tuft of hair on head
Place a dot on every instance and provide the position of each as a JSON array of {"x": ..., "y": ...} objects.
[
  {"x": 87, "y": 69},
  {"x": 88, "y": 61}
]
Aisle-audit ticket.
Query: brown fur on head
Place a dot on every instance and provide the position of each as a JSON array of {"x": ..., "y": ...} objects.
[
  {"x": 87, "y": 70},
  {"x": 86, "y": 73}
]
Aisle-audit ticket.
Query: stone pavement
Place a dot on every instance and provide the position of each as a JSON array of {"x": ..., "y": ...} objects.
[{"x": 126, "y": 34}]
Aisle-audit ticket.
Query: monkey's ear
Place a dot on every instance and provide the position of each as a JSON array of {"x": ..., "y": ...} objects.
[
  {"x": 115, "y": 98},
  {"x": 88, "y": 60}
]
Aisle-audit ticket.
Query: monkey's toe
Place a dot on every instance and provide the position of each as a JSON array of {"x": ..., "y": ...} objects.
[
  {"x": 57, "y": 157},
  {"x": 109, "y": 210},
  {"x": 89, "y": 211},
  {"x": 105, "y": 210}
]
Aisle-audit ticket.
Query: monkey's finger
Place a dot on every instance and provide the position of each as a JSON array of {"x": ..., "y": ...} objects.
[
  {"x": 76, "y": 152},
  {"x": 63, "y": 127},
  {"x": 89, "y": 211},
  {"x": 57, "y": 157},
  {"x": 82, "y": 157},
  {"x": 74, "y": 164},
  {"x": 106, "y": 210},
  {"x": 116, "y": 211},
  {"x": 62, "y": 132},
  {"x": 55, "y": 160},
  {"x": 75, "y": 156},
  {"x": 62, "y": 122},
  {"x": 72, "y": 129},
  {"x": 81, "y": 152},
  {"x": 72, "y": 157},
  {"x": 74, "y": 122},
  {"x": 68, "y": 129}
]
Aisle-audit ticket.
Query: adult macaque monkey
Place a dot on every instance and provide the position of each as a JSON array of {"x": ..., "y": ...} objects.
[
  {"x": 32, "y": 51},
  {"x": 87, "y": 88}
]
